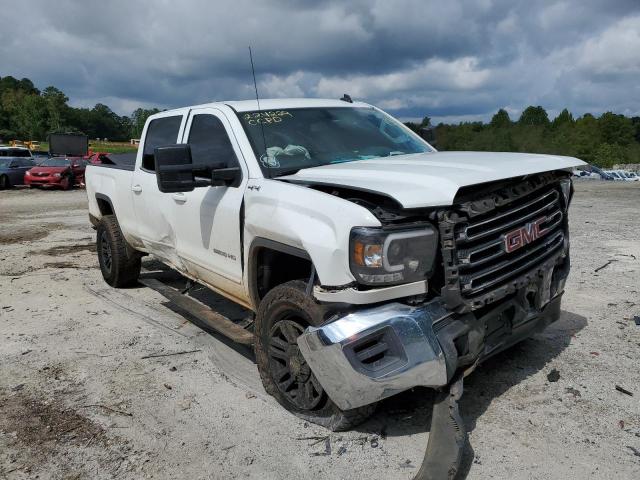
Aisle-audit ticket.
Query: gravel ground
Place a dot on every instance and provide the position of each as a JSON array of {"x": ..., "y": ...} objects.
[{"x": 78, "y": 398}]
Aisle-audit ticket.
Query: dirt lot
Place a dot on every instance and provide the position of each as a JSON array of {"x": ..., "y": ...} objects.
[{"x": 79, "y": 397}]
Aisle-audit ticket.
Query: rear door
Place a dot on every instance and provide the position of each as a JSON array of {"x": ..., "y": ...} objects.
[
  {"x": 208, "y": 218},
  {"x": 153, "y": 209}
]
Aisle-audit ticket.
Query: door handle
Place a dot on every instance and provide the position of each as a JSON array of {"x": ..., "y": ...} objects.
[
  {"x": 179, "y": 197},
  {"x": 136, "y": 188}
]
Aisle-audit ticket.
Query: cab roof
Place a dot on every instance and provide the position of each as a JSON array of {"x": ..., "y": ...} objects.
[
  {"x": 284, "y": 103},
  {"x": 276, "y": 104}
]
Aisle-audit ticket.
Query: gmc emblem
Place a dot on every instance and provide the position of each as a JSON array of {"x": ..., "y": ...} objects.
[{"x": 524, "y": 235}]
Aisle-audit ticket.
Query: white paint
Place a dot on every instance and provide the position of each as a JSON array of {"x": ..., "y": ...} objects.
[{"x": 184, "y": 229}]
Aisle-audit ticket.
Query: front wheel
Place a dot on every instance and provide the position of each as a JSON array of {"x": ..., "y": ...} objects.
[
  {"x": 284, "y": 313},
  {"x": 120, "y": 264},
  {"x": 67, "y": 182},
  {"x": 4, "y": 182}
]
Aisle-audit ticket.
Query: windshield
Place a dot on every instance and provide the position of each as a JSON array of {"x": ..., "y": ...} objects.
[
  {"x": 55, "y": 162},
  {"x": 310, "y": 137}
]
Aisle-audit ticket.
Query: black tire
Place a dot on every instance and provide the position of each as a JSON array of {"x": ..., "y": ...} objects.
[
  {"x": 119, "y": 263},
  {"x": 283, "y": 314},
  {"x": 69, "y": 182},
  {"x": 4, "y": 182}
]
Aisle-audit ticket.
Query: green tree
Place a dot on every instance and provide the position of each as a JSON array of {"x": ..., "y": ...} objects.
[
  {"x": 565, "y": 118},
  {"x": 607, "y": 155},
  {"x": 140, "y": 115},
  {"x": 500, "y": 119},
  {"x": 616, "y": 129},
  {"x": 534, "y": 116},
  {"x": 56, "y": 104}
]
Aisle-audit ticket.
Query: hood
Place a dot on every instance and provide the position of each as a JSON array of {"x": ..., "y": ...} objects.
[{"x": 430, "y": 179}]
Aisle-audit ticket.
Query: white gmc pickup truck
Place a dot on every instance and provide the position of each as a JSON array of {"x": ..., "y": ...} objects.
[{"x": 373, "y": 263}]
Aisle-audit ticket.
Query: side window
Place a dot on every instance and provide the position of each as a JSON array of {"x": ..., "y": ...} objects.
[
  {"x": 161, "y": 131},
  {"x": 209, "y": 142}
]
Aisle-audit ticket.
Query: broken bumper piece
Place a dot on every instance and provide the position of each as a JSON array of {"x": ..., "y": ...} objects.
[{"x": 374, "y": 353}]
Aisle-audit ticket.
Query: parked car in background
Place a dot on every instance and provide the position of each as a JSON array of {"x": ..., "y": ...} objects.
[
  {"x": 626, "y": 176},
  {"x": 57, "y": 172},
  {"x": 14, "y": 162},
  {"x": 614, "y": 175},
  {"x": 601, "y": 173}
]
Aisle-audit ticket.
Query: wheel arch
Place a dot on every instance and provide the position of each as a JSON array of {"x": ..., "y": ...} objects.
[
  {"x": 264, "y": 254},
  {"x": 105, "y": 205}
]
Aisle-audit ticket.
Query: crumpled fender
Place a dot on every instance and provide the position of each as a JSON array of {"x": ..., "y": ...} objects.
[{"x": 313, "y": 221}]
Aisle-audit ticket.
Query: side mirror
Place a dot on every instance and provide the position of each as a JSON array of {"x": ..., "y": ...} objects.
[
  {"x": 175, "y": 171},
  {"x": 429, "y": 135},
  {"x": 226, "y": 176},
  {"x": 174, "y": 168}
]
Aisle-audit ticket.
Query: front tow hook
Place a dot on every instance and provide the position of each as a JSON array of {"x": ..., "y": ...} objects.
[{"x": 447, "y": 436}]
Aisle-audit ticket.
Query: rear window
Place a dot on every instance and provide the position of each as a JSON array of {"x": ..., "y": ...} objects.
[
  {"x": 14, "y": 152},
  {"x": 19, "y": 152},
  {"x": 161, "y": 132}
]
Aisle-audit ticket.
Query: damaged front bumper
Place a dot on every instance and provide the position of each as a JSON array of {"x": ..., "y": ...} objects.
[{"x": 371, "y": 354}]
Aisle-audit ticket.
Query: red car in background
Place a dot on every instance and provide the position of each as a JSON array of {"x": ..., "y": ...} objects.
[{"x": 57, "y": 172}]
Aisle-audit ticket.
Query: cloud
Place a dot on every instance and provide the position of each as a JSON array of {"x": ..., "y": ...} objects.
[{"x": 455, "y": 60}]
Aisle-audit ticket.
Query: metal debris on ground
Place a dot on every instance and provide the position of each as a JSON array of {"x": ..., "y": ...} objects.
[
  {"x": 553, "y": 375},
  {"x": 327, "y": 448},
  {"x": 624, "y": 390},
  {"x": 342, "y": 450},
  {"x": 156, "y": 355},
  {"x": 635, "y": 451},
  {"x": 374, "y": 442},
  {"x": 636, "y": 319},
  {"x": 609, "y": 262}
]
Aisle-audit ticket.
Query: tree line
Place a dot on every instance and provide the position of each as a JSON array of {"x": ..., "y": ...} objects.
[
  {"x": 27, "y": 113},
  {"x": 603, "y": 141}
]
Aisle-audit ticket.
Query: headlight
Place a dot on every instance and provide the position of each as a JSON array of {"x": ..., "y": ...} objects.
[
  {"x": 380, "y": 257},
  {"x": 56, "y": 175}
]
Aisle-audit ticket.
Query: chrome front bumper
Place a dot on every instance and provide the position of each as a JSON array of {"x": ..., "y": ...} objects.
[
  {"x": 371, "y": 354},
  {"x": 377, "y": 352}
]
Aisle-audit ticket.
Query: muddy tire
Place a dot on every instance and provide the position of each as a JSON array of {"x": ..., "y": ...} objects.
[
  {"x": 67, "y": 182},
  {"x": 4, "y": 182},
  {"x": 282, "y": 316},
  {"x": 119, "y": 263}
]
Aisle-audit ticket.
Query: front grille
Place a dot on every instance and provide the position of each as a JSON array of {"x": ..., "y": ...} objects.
[{"x": 480, "y": 265}]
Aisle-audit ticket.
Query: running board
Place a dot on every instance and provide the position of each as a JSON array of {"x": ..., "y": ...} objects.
[{"x": 212, "y": 319}]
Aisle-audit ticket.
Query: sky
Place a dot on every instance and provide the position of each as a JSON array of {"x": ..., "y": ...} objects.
[{"x": 453, "y": 60}]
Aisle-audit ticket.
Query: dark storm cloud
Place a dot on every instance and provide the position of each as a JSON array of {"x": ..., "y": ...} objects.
[{"x": 459, "y": 59}]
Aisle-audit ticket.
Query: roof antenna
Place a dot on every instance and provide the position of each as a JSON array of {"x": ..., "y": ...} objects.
[
  {"x": 264, "y": 140},
  {"x": 346, "y": 98}
]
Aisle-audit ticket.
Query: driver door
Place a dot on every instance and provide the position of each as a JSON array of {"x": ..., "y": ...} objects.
[{"x": 207, "y": 219}]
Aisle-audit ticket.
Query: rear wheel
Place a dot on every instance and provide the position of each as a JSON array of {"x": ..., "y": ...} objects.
[
  {"x": 119, "y": 263},
  {"x": 4, "y": 182},
  {"x": 284, "y": 313}
]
